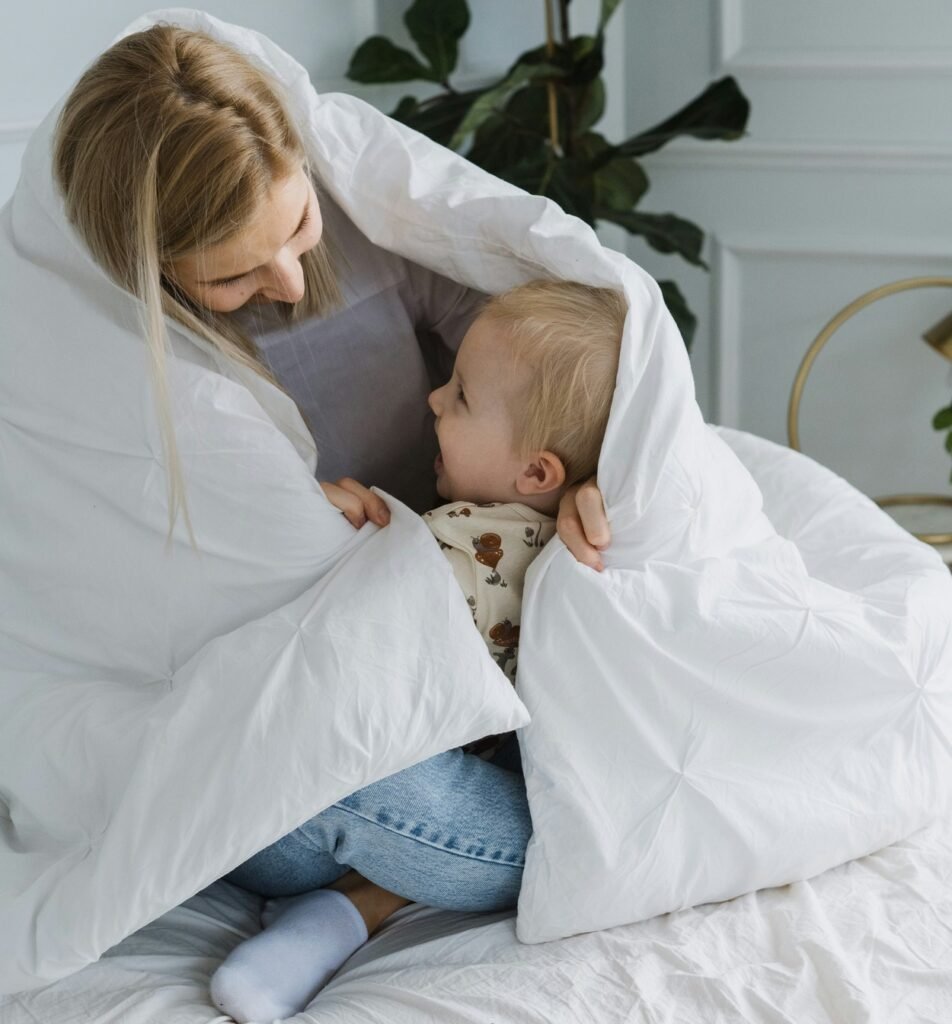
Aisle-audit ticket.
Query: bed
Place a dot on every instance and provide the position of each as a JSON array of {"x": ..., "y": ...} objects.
[{"x": 866, "y": 942}]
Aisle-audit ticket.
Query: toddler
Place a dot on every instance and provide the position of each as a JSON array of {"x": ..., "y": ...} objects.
[{"x": 521, "y": 419}]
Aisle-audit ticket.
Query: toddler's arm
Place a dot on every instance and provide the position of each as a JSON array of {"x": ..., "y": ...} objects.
[{"x": 357, "y": 502}]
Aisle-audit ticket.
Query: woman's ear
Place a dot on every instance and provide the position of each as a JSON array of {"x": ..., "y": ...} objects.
[{"x": 542, "y": 473}]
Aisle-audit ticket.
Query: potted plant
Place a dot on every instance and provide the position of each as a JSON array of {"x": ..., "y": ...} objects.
[{"x": 534, "y": 127}]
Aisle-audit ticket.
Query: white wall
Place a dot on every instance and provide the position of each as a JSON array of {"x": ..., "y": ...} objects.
[
  {"x": 45, "y": 45},
  {"x": 842, "y": 185}
]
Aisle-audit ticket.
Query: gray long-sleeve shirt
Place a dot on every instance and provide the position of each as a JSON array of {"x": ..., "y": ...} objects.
[{"x": 361, "y": 375}]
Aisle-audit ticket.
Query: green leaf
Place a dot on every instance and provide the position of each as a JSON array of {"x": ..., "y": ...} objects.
[
  {"x": 591, "y": 146},
  {"x": 580, "y": 62},
  {"x": 620, "y": 184},
  {"x": 436, "y": 27},
  {"x": 570, "y": 184},
  {"x": 662, "y": 231},
  {"x": 587, "y": 59},
  {"x": 529, "y": 108},
  {"x": 439, "y": 117},
  {"x": 608, "y": 9},
  {"x": 948, "y": 442},
  {"x": 942, "y": 419},
  {"x": 678, "y": 308},
  {"x": 720, "y": 112},
  {"x": 540, "y": 55},
  {"x": 530, "y": 172},
  {"x": 405, "y": 109},
  {"x": 590, "y": 106},
  {"x": 492, "y": 98},
  {"x": 501, "y": 143},
  {"x": 377, "y": 60}
]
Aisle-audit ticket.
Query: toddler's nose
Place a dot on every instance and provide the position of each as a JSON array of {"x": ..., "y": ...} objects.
[{"x": 431, "y": 400}]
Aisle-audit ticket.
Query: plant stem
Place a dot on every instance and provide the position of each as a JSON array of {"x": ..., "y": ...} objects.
[
  {"x": 547, "y": 176},
  {"x": 564, "y": 20},
  {"x": 550, "y": 86},
  {"x": 569, "y": 144}
]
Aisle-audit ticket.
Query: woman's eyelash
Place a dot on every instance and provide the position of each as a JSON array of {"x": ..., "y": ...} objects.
[
  {"x": 232, "y": 280},
  {"x": 225, "y": 284}
]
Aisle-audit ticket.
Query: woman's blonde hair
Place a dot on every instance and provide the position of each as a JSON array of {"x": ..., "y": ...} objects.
[
  {"x": 166, "y": 147},
  {"x": 569, "y": 337}
]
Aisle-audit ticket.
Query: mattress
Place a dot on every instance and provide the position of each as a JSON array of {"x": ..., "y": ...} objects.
[{"x": 865, "y": 942}]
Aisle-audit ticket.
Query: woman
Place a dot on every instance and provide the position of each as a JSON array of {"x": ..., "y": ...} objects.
[{"x": 186, "y": 178}]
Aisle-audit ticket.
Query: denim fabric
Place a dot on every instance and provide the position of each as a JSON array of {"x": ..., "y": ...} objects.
[{"x": 448, "y": 832}]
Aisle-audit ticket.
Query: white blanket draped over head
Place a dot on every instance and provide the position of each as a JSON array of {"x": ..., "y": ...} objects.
[{"x": 708, "y": 716}]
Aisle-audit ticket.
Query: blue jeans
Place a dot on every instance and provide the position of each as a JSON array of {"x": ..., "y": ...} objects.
[{"x": 449, "y": 832}]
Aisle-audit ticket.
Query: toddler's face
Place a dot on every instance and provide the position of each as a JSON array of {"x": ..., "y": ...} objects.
[{"x": 478, "y": 460}]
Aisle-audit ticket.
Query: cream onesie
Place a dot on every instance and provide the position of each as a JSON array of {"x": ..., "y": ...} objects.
[{"x": 490, "y": 547}]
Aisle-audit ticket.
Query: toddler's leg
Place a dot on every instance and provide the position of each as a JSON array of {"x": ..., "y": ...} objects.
[
  {"x": 279, "y": 971},
  {"x": 449, "y": 832}
]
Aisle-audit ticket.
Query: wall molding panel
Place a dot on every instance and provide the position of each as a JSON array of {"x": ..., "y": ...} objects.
[
  {"x": 726, "y": 320},
  {"x": 727, "y": 256},
  {"x": 15, "y": 132},
  {"x": 748, "y": 155},
  {"x": 733, "y": 53}
]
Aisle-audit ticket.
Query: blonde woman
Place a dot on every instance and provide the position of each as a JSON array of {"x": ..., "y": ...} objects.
[{"x": 184, "y": 175}]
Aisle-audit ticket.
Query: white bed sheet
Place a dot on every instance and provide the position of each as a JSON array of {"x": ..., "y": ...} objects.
[{"x": 867, "y": 942}]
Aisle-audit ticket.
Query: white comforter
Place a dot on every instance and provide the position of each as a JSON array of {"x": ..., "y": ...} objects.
[
  {"x": 724, "y": 709},
  {"x": 869, "y": 942}
]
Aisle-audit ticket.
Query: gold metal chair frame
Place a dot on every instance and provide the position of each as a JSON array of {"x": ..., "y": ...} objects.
[{"x": 934, "y": 337}]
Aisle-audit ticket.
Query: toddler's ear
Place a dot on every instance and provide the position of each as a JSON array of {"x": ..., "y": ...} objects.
[{"x": 543, "y": 472}]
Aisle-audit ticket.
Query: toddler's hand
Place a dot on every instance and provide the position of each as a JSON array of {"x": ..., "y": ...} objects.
[
  {"x": 357, "y": 502},
  {"x": 582, "y": 524}
]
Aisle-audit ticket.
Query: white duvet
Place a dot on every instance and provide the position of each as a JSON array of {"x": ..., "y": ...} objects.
[
  {"x": 869, "y": 942},
  {"x": 723, "y": 709}
]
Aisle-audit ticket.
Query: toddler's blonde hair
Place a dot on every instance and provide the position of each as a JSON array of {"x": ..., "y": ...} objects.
[{"x": 569, "y": 337}]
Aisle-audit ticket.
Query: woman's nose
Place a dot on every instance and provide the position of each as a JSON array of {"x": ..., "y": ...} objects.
[{"x": 287, "y": 280}]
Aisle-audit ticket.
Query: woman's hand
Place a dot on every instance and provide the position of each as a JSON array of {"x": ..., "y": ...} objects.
[
  {"x": 581, "y": 523},
  {"x": 357, "y": 502}
]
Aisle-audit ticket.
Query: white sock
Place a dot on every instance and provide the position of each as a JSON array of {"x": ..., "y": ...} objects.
[{"x": 278, "y": 972}]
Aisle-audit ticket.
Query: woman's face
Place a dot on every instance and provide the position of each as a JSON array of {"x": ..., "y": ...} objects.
[{"x": 262, "y": 263}]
